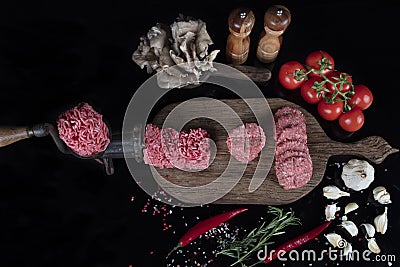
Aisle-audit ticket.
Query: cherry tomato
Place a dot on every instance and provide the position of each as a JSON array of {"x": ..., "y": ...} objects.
[
  {"x": 320, "y": 60},
  {"x": 339, "y": 77},
  {"x": 362, "y": 97},
  {"x": 330, "y": 111},
  {"x": 291, "y": 75},
  {"x": 352, "y": 120},
  {"x": 309, "y": 93}
]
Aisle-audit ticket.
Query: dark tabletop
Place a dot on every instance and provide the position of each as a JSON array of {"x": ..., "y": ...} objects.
[{"x": 58, "y": 210}]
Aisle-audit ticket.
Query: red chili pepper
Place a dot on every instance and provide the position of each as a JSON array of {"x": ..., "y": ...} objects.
[
  {"x": 206, "y": 225},
  {"x": 298, "y": 241}
]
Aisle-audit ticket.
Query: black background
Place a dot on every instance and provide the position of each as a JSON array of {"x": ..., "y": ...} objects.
[{"x": 57, "y": 210}]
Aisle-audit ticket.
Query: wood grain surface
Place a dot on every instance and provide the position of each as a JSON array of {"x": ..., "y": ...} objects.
[
  {"x": 321, "y": 147},
  {"x": 12, "y": 134}
]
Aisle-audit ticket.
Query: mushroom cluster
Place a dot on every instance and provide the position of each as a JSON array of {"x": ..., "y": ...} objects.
[{"x": 178, "y": 53}]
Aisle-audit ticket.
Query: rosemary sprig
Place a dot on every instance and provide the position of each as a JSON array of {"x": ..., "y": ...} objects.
[{"x": 244, "y": 249}]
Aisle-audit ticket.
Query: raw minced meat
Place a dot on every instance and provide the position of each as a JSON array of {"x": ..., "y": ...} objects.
[
  {"x": 168, "y": 148},
  {"x": 153, "y": 153},
  {"x": 288, "y": 111},
  {"x": 294, "y": 172},
  {"x": 83, "y": 130},
  {"x": 246, "y": 141},
  {"x": 294, "y": 133},
  {"x": 293, "y": 164},
  {"x": 190, "y": 142}
]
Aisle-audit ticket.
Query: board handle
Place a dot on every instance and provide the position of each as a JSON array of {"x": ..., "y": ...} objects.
[
  {"x": 12, "y": 134},
  {"x": 373, "y": 148}
]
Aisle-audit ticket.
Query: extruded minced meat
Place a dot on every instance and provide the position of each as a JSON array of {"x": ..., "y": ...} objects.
[
  {"x": 168, "y": 148},
  {"x": 293, "y": 164},
  {"x": 153, "y": 153},
  {"x": 83, "y": 130},
  {"x": 194, "y": 147},
  {"x": 246, "y": 141},
  {"x": 190, "y": 142}
]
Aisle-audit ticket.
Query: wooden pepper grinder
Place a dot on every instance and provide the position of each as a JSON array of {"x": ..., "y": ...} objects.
[
  {"x": 276, "y": 19},
  {"x": 241, "y": 22}
]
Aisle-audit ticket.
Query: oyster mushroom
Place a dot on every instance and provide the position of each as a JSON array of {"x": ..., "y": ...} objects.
[
  {"x": 381, "y": 195},
  {"x": 153, "y": 49},
  {"x": 178, "y": 52},
  {"x": 358, "y": 174},
  {"x": 333, "y": 192}
]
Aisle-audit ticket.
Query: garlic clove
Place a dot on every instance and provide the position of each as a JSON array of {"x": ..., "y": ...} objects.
[
  {"x": 335, "y": 240},
  {"x": 378, "y": 191},
  {"x": 369, "y": 228},
  {"x": 350, "y": 227},
  {"x": 381, "y": 222},
  {"x": 347, "y": 249},
  {"x": 381, "y": 195},
  {"x": 350, "y": 207},
  {"x": 373, "y": 246},
  {"x": 330, "y": 211},
  {"x": 333, "y": 192},
  {"x": 385, "y": 199}
]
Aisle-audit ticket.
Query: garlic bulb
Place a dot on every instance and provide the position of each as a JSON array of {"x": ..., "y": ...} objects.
[
  {"x": 381, "y": 222},
  {"x": 358, "y": 174},
  {"x": 373, "y": 246},
  {"x": 333, "y": 192},
  {"x": 369, "y": 228},
  {"x": 350, "y": 207},
  {"x": 330, "y": 211},
  {"x": 381, "y": 195},
  {"x": 350, "y": 227},
  {"x": 336, "y": 240}
]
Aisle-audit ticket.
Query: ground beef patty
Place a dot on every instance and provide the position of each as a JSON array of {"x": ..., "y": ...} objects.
[
  {"x": 293, "y": 133},
  {"x": 294, "y": 172},
  {"x": 288, "y": 111},
  {"x": 290, "y": 121},
  {"x": 246, "y": 141},
  {"x": 293, "y": 153},
  {"x": 295, "y": 145},
  {"x": 293, "y": 164}
]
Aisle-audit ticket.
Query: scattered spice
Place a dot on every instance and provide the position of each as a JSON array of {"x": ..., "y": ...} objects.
[{"x": 205, "y": 225}]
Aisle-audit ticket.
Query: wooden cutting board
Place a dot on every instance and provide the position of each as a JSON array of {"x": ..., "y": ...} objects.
[{"x": 373, "y": 148}]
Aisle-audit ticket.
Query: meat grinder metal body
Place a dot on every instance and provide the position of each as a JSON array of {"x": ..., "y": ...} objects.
[{"x": 116, "y": 148}]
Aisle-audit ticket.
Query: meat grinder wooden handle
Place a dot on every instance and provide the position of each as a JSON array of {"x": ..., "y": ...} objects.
[{"x": 12, "y": 134}]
